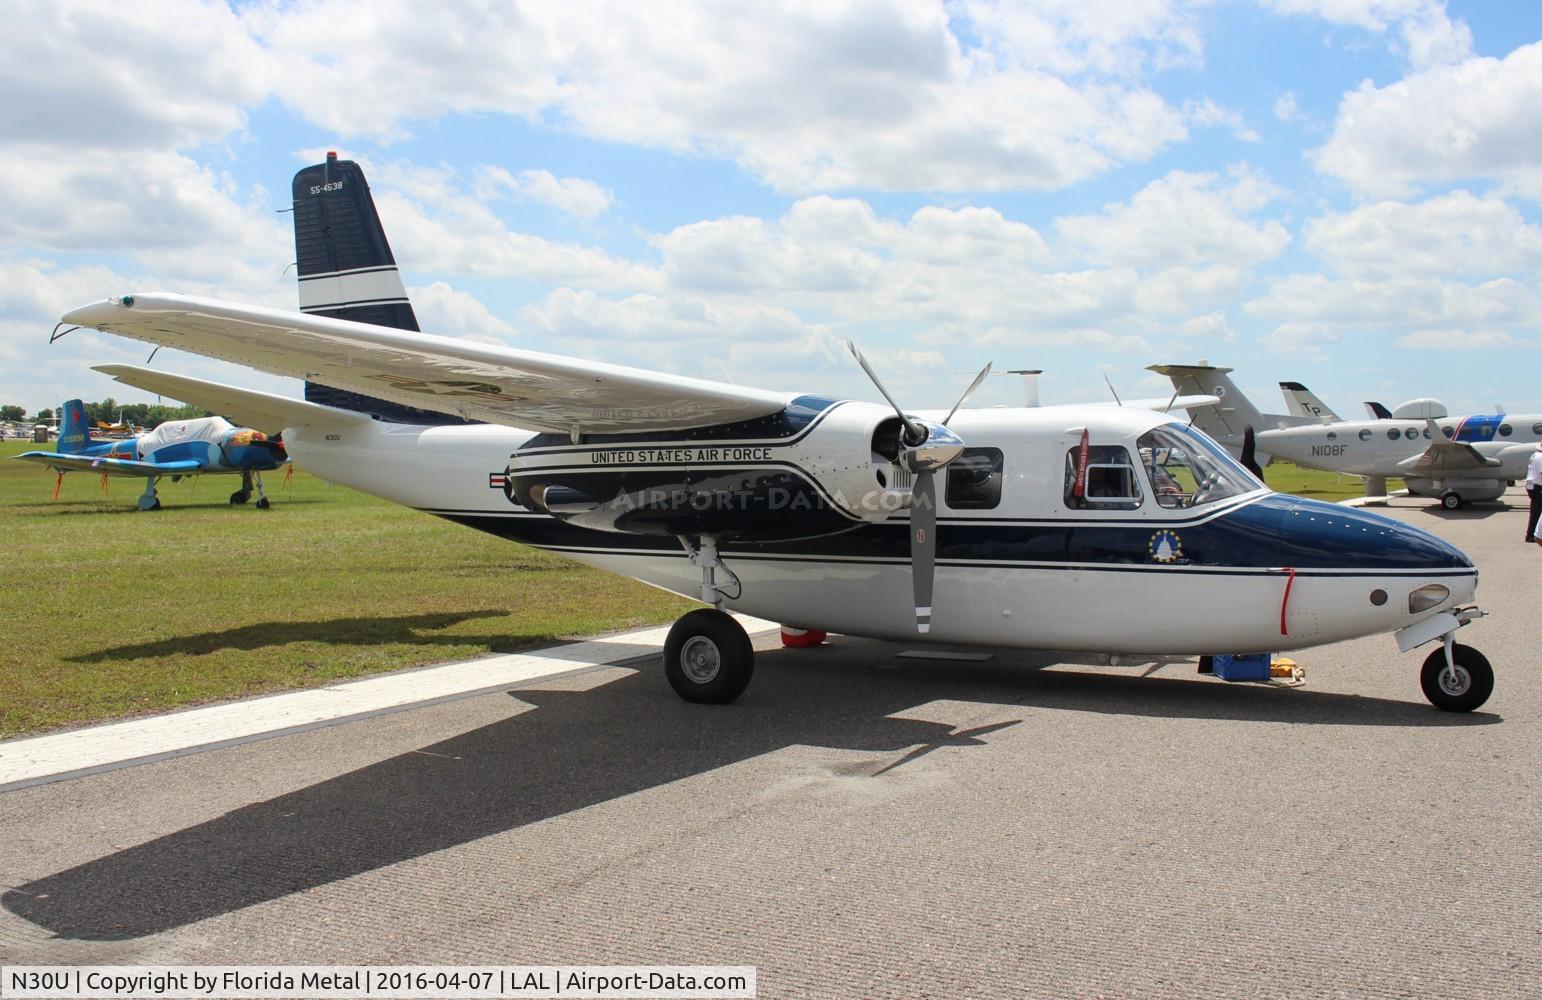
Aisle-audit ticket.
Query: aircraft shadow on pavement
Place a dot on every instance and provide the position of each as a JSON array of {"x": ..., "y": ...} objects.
[
  {"x": 404, "y": 629},
  {"x": 1470, "y": 512},
  {"x": 170, "y": 507},
  {"x": 579, "y": 748}
]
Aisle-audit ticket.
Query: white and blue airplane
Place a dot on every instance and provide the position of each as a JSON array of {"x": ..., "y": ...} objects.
[
  {"x": 1453, "y": 459},
  {"x": 1084, "y": 527},
  {"x": 176, "y": 448}
]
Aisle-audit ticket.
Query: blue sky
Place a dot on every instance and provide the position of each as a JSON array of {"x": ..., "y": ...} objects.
[{"x": 1339, "y": 192}]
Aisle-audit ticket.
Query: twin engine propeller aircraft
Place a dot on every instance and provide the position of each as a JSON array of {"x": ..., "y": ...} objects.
[
  {"x": 1454, "y": 460},
  {"x": 176, "y": 448},
  {"x": 1087, "y": 527}
]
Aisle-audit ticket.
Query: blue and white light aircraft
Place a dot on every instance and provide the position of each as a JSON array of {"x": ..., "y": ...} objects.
[
  {"x": 1453, "y": 459},
  {"x": 1096, "y": 528},
  {"x": 177, "y": 448}
]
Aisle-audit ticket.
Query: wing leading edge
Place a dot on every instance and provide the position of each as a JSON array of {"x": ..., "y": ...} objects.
[
  {"x": 111, "y": 466},
  {"x": 482, "y": 382}
]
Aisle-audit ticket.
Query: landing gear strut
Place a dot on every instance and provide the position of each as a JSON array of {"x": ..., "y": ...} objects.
[
  {"x": 244, "y": 494},
  {"x": 148, "y": 500},
  {"x": 708, "y": 657}
]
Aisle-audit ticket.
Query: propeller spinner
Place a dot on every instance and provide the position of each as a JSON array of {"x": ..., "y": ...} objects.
[{"x": 928, "y": 447}]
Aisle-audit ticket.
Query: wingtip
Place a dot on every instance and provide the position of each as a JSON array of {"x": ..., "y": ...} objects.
[{"x": 101, "y": 311}]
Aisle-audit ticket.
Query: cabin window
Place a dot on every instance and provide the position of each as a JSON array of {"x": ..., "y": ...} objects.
[
  {"x": 1187, "y": 469},
  {"x": 1110, "y": 481},
  {"x": 1448, "y": 432},
  {"x": 1426, "y": 433},
  {"x": 1504, "y": 430},
  {"x": 1536, "y": 428},
  {"x": 1332, "y": 436},
  {"x": 1365, "y": 434},
  {"x": 1393, "y": 434},
  {"x": 974, "y": 480},
  {"x": 1412, "y": 433}
]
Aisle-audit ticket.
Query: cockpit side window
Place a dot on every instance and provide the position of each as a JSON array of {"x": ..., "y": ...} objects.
[
  {"x": 1107, "y": 481},
  {"x": 974, "y": 480}
]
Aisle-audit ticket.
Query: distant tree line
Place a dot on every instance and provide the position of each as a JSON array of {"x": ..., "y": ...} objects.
[{"x": 111, "y": 411}]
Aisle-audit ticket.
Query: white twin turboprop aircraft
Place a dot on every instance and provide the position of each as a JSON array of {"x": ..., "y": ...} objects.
[{"x": 1097, "y": 528}]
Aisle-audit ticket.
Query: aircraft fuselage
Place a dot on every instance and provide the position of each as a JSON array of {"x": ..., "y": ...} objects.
[{"x": 1254, "y": 571}]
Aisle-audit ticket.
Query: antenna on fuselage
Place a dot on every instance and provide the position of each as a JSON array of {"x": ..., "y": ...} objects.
[{"x": 1110, "y": 384}]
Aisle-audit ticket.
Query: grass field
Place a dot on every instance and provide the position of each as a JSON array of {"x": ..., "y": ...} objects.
[{"x": 109, "y": 612}]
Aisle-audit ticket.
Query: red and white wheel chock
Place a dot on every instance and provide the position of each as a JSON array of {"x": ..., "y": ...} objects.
[{"x": 801, "y": 638}]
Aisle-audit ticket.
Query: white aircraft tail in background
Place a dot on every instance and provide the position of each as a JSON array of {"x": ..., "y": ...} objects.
[{"x": 1302, "y": 402}]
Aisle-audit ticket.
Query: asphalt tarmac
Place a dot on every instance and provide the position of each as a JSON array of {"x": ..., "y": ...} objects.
[{"x": 858, "y": 825}]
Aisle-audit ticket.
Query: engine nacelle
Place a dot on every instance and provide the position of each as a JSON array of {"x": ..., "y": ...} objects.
[{"x": 816, "y": 468}]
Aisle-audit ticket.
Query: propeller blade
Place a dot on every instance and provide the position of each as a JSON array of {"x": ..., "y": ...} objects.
[
  {"x": 923, "y": 545},
  {"x": 1249, "y": 442},
  {"x": 914, "y": 432},
  {"x": 968, "y": 392}
]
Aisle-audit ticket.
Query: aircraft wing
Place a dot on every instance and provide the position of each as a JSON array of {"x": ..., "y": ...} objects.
[
  {"x": 110, "y": 466},
  {"x": 1445, "y": 457},
  {"x": 483, "y": 382},
  {"x": 266, "y": 411}
]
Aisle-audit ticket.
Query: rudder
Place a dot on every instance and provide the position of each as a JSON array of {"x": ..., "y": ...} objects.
[{"x": 74, "y": 431}]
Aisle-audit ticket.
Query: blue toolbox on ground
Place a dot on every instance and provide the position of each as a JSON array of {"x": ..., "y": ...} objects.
[{"x": 1253, "y": 667}]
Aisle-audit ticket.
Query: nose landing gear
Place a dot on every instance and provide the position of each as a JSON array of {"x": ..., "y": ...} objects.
[
  {"x": 1455, "y": 678},
  {"x": 1458, "y": 682}
]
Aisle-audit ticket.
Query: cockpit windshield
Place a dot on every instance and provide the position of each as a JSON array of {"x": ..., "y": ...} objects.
[{"x": 1188, "y": 469}]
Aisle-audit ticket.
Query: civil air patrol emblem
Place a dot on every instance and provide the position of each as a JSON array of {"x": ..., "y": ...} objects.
[{"x": 1165, "y": 546}]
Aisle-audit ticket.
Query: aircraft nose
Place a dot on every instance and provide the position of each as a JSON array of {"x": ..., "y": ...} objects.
[{"x": 1379, "y": 540}]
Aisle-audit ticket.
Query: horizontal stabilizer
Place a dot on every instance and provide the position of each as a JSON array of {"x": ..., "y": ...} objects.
[
  {"x": 264, "y": 411},
  {"x": 1168, "y": 404}
]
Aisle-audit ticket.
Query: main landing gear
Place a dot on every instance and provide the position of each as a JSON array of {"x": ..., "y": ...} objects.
[
  {"x": 707, "y": 656},
  {"x": 148, "y": 500},
  {"x": 245, "y": 492}
]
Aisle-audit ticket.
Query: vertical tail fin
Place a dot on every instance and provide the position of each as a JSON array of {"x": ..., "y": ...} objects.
[
  {"x": 1302, "y": 402},
  {"x": 347, "y": 272},
  {"x": 344, "y": 260},
  {"x": 1225, "y": 421},
  {"x": 75, "y": 432},
  {"x": 1378, "y": 411}
]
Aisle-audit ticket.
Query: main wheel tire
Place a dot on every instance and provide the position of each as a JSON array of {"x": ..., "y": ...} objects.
[
  {"x": 1450, "y": 500},
  {"x": 708, "y": 657},
  {"x": 263, "y": 504},
  {"x": 239, "y": 497},
  {"x": 1470, "y": 687}
]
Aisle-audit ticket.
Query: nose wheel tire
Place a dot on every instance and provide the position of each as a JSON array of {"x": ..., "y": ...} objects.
[
  {"x": 263, "y": 504},
  {"x": 708, "y": 657},
  {"x": 1450, "y": 500},
  {"x": 1461, "y": 689}
]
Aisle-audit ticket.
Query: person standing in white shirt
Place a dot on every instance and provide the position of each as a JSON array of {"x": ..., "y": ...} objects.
[{"x": 1534, "y": 491}]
